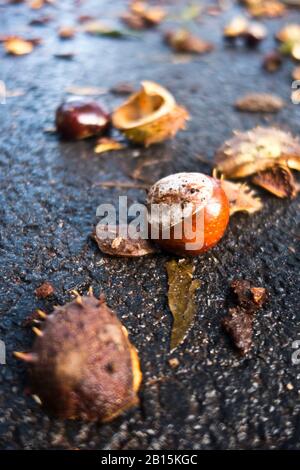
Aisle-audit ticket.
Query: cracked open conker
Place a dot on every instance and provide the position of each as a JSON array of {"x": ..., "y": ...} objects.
[
  {"x": 80, "y": 118},
  {"x": 187, "y": 213}
]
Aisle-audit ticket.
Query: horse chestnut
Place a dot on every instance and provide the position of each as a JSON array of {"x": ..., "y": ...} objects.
[
  {"x": 80, "y": 118},
  {"x": 187, "y": 213}
]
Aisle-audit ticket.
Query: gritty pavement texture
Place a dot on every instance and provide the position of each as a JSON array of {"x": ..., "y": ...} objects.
[{"x": 49, "y": 194}]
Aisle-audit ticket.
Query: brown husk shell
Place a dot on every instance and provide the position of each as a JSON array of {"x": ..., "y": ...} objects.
[
  {"x": 151, "y": 115},
  {"x": 85, "y": 366},
  {"x": 278, "y": 180},
  {"x": 250, "y": 152}
]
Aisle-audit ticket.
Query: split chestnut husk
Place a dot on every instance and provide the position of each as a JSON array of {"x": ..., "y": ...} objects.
[
  {"x": 151, "y": 115},
  {"x": 83, "y": 364}
]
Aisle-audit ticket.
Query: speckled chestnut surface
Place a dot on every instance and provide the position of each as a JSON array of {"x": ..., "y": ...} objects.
[
  {"x": 80, "y": 118},
  {"x": 207, "y": 214}
]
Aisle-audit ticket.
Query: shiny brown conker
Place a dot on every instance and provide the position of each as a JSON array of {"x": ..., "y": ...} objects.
[
  {"x": 205, "y": 219},
  {"x": 80, "y": 118}
]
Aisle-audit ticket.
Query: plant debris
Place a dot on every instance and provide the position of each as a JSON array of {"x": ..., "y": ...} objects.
[
  {"x": 83, "y": 365},
  {"x": 65, "y": 55},
  {"x": 44, "y": 290},
  {"x": 85, "y": 90},
  {"x": 181, "y": 298},
  {"x": 272, "y": 61},
  {"x": 151, "y": 115},
  {"x": 98, "y": 28},
  {"x": 239, "y": 321},
  {"x": 296, "y": 73},
  {"x": 265, "y": 8},
  {"x": 183, "y": 41},
  {"x": 278, "y": 180},
  {"x": 260, "y": 103},
  {"x": 66, "y": 32},
  {"x": 141, "y": 15},
  {"x": 106, "y": 144},
  {"x": 15, "y": 45},
  {"x": 122, "y": 89},
  {"x": 256, "y": 150},
  {"x": 289, "y": 37},
  {"x": 241, "y": 197},
  {"x": 116, "y": 241},
  {"x": 252, "y": 33}
]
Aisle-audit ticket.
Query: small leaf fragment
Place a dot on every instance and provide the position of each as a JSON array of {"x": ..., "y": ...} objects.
[
  {"x": 277, "y": 180},
  {"x": 181, "y": 298},
  {"x": 241, "y": 197},
  {"x": 106, "y": 145},
  {"x": 239, "y": 321},
  {"x": 259, "y": 103}
]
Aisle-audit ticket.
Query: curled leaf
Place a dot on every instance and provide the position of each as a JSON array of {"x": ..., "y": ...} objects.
[
  {"x": 181, "y": 298},
  {"x": 183, "y": 41},
  {"x": 256, "y": 150},
  {"x": 116, "y": 241},
  {"x": 106, "y": 145},
  {"x": 259, "y": 102},
  {"x": 277, "y": 180},
  {"x": 150, "y": 115},
  {"x": 241, "y": 197}
]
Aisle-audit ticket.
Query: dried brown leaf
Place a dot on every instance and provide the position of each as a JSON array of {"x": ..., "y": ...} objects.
[
  {"x": 260, "y": 102},
  {"x": 44, "y": 290},
  {"x": 277, "y": 180},
  {"x": 104, "y": 144},
  {"x": 181, "y": 298},
  {"x": 239, "y": 321},
  {"x": 183, "y": 41},
  {"x": 241, "y": 197},
  {"x": 111, "y": 241},
  {"x": 250, "y": 152}
]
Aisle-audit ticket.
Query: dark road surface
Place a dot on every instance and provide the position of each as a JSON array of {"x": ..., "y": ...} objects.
[{"x": 49, "y": 196}]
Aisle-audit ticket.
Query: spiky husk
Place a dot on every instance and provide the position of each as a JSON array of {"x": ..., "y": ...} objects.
[{"x": 85, "y": 366}]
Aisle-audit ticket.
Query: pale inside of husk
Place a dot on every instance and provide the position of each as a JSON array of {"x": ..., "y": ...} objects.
[{"x": 150, "y": 103}]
